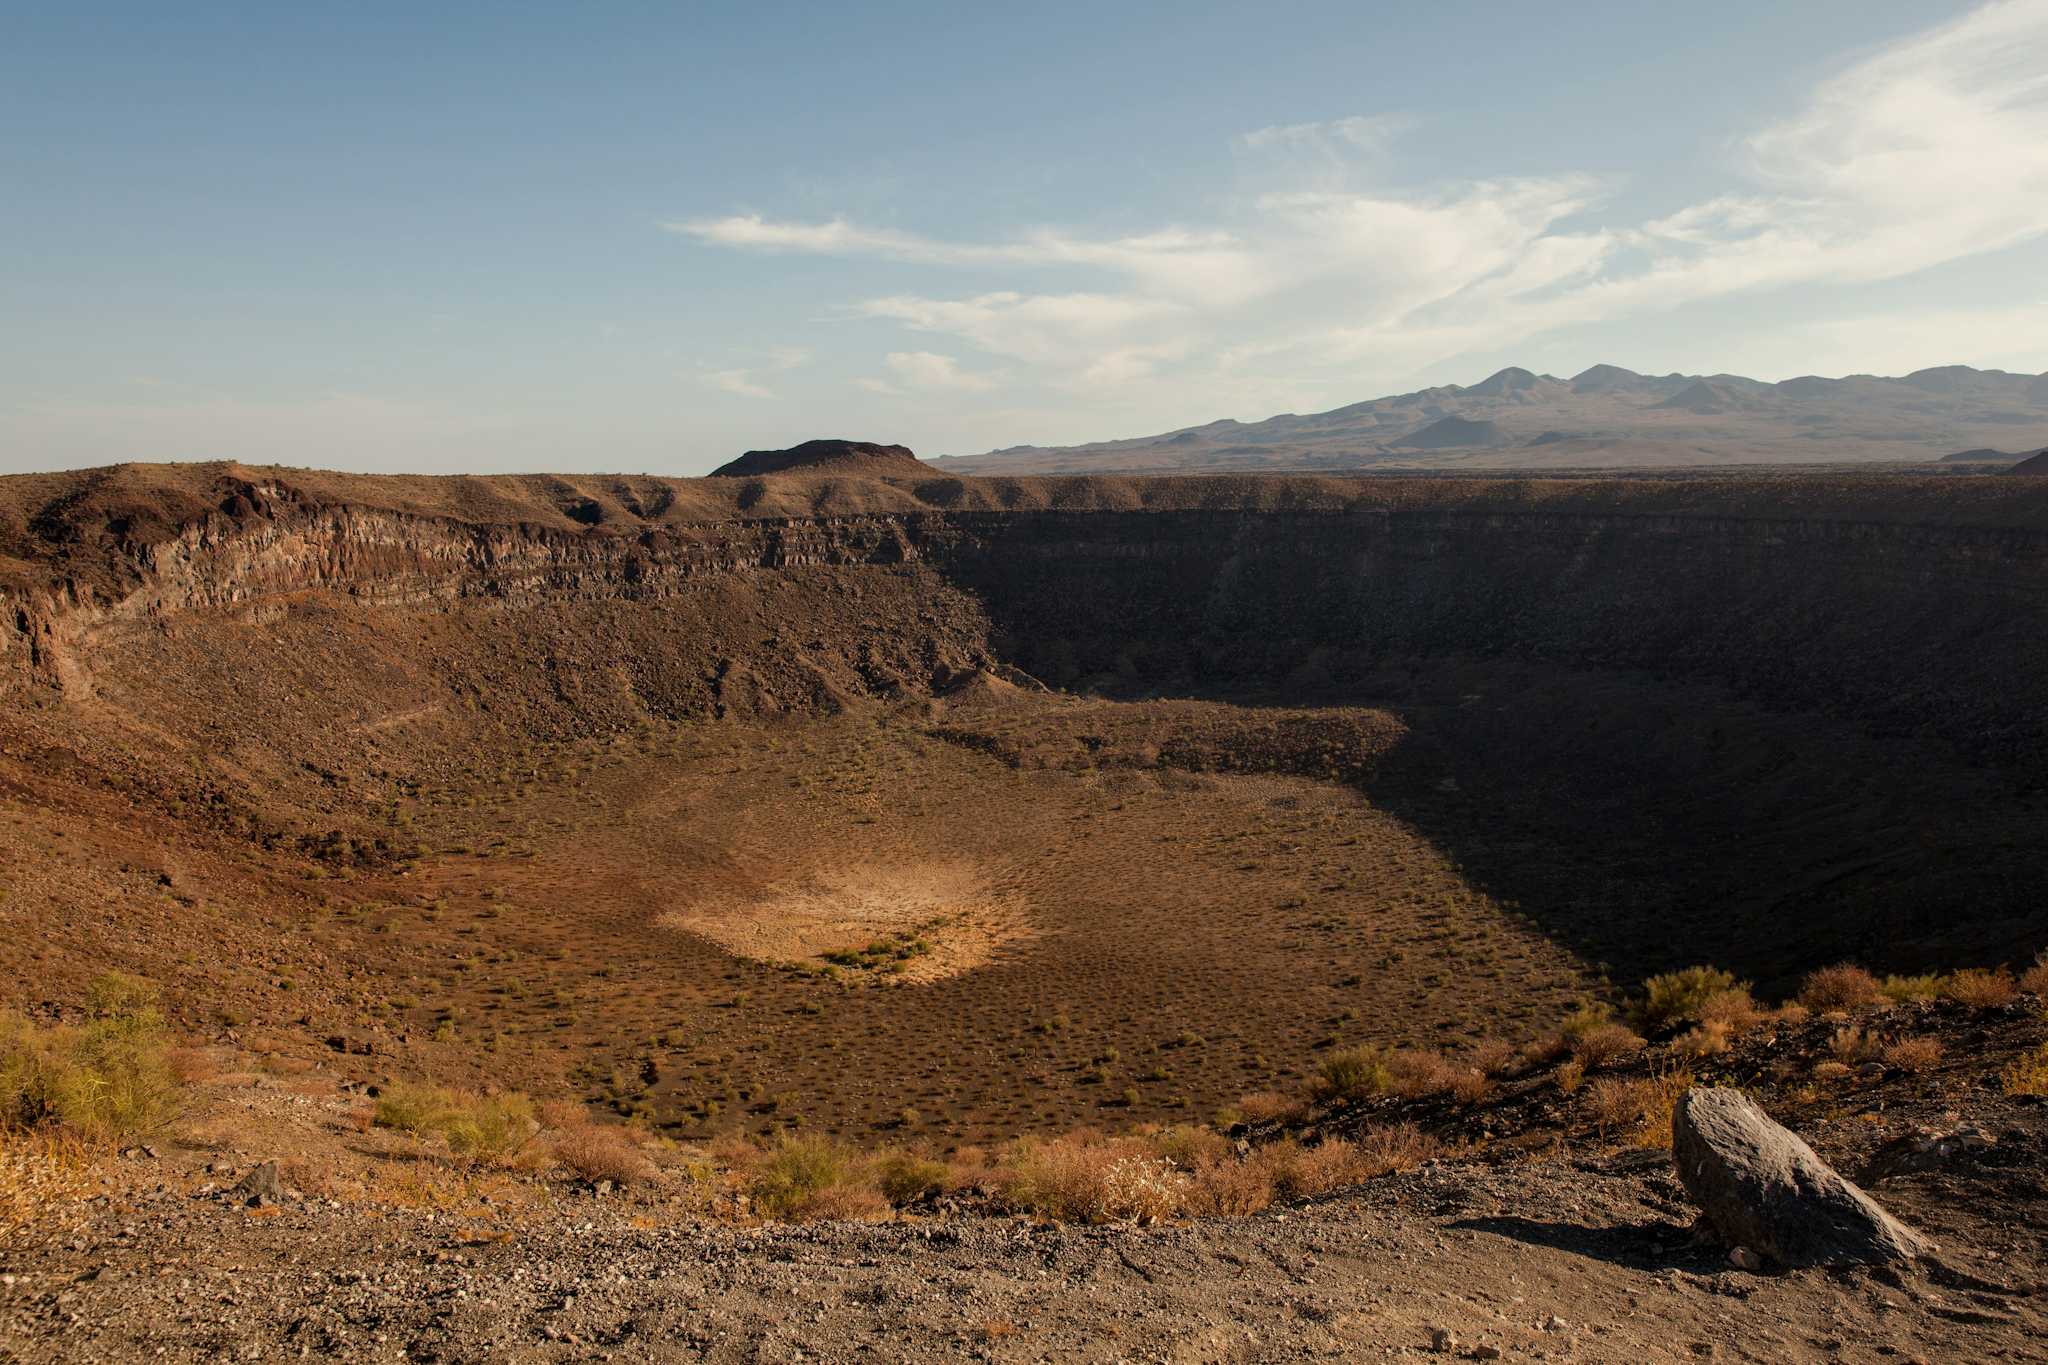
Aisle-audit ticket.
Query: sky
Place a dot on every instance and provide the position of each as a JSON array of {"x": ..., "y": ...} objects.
[{"x": 646, "y": 237}]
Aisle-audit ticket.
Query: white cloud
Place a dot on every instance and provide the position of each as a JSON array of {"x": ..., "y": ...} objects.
[
  {"x": 742, "y": 380},
  {"x": 927, "y": 370},
  {"x": 1928, "y": 152},
  {"x": 1359, "y": 133}
]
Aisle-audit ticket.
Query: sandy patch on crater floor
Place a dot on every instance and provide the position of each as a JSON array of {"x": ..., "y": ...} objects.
[{"x": 916, "y": 921}]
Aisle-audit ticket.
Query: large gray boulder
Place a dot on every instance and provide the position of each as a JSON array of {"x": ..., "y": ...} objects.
[{"x": 1763, "y": 1189}]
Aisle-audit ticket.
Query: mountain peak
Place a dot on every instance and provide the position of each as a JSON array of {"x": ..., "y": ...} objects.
[{"x": 1513, "y": 379}]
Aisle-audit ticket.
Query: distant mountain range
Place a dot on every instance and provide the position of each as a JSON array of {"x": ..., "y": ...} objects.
[{"x": 1605, "y": 417}]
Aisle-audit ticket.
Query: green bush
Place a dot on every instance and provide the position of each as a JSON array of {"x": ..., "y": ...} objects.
[
  {"x": 412, "y": 1109},
  {"x": 1677, "y": 997},
  {"x": 1351, "y": 1074},
  {"x": 475, "y": 1127},
  {"x": 905, "y": 1178},
  {"x": 490, "y": 1129},
  {"x": 110, "y": 1080},
  {"x": 797, "y": 1172}
]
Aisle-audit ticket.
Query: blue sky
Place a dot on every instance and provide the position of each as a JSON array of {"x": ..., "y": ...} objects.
[{"x": 644, "y": 237}]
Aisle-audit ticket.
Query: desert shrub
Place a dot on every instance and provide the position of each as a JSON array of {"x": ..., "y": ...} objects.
[
  {"x": 905, "y": 1178},
  {"x": 596, "y": 1151},
  {"x": 2028, "y": 1075},
  {"x": 1844, "y": 986},
  {"x": 1330, "y": 1164},
  {"x": 1660, "y": 1104},
  {"x": 1730, "y": 1011},
  {"x": 1418, "y": 1072},
  {"x": 806, "y": 1178},
  {"x": 1678, "y": 997},
  {"x": 1587, "y": 1017},
  {"x": 487, "y": 1128},
  {"x": 413, "y": 1109},
  {"x": 1613, "y": 1102},
  {"x": 490, "y": 1128},
  {"x": 1901, "y": 989},
  {"x": 1227, "y": 1187},
  {"x": 1571, "y": 1074},
  {"x": 1493, "y": 1056},
  {"x": 1701, "y": 1040},
  {"x": 1188, "y": 1146},
  {"x": 1353, "y": 1073},
  {"x": 1270, "y": 1106},
  {"x": 110, "y": 1080},
  {"x": 1913, "y": 1054},
  {"x": 850, "y": 1202},
  {"x": 1851, "y": 1045},
  {"x": 2034, "y": 980},
  {"x": 1413, "y": 1072},
  {"x": 42, "y": 1170},
  {"x": 1383, "y": 1149},
  {"x": 1598, "y": 1046},
  {"x": 1078, "y": 1180},
  {"x": 1643, "y": 1104},
  {"x": 1982, "y": 987}
]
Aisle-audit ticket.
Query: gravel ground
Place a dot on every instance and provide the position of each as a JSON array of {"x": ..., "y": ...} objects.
[{"x": 1587, "y": 1261}]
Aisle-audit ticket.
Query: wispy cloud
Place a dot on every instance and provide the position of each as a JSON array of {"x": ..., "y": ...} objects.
[
  {"x": 745, "y": 381},
  {"x": 926, "y": 372},
  {"x": 1928, "y": 152},
  {"x": 1359, "y": 133}
]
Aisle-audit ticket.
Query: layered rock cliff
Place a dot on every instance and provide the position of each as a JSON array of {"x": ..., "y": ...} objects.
[{"x": 1904, "y": 605}]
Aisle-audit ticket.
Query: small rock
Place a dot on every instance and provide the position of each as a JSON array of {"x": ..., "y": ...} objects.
[
  {"x": 261, "y": 1187},
  {"x": 1442, "y": 1341},
  {"x": 1552, "y": 1323},
  {"x": 1742, "y": 1258},
  {"x": 1486, "y": 1351}
]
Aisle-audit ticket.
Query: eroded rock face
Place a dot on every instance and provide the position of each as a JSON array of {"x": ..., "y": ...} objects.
[{"x": 1762, "y": 1188}]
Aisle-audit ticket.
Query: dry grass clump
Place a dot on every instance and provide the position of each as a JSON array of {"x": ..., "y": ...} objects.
[
  {"x": 2028, "y": 1075},
  {"x": 1913, "y": 1054},
  {"x": 1643, "y": 1103},
  {"x": 1844, "y": 986},
  {"x": 41, "y": 1171},
  {"x": 598, "y": 1151},
  {"x": 1605, "y": 1043},
  {"x": 1075, "y": 1179},
  {"x": 1852, "y": 1045},
  {"x": 1384, "y": 1149},
  {"x": 481, "y": 1128},
  {"x": 812, "y": 1179},
  {"x": 1270, "y": 1106},
  {"x": 1352, "y": 1073},
  {"x": 111, "y": 1080},
  {"x": 1730, "y": 1010},
  {"x": 2034, "y": 980},
  {"x": 1220, "y": 1183},
  {"x": 1228, "y": 1187},
  {"x": 1415, "y": 1072},
  {"x": 1702, "y": 1040},
  {"x": 1493, "y": 1056},
  {"x": 1983, "y": 987}
]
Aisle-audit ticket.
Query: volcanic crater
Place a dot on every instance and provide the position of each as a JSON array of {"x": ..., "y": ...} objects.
[{"x": 843, "y": 789}]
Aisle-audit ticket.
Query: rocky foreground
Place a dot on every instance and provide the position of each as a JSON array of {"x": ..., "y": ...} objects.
[{"x": 1594, "y": 1258}]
